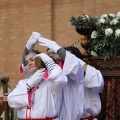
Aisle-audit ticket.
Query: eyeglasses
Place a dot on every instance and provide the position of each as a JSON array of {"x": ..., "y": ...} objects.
[{"x": 50, "y": 53}]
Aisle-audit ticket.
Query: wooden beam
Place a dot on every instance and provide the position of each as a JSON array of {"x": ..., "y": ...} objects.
[{"x": 4, "y": 81}]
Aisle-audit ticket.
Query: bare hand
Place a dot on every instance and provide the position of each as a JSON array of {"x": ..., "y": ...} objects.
[{"x": 5, "y": 97}]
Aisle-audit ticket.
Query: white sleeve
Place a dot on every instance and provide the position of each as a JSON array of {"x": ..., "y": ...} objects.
[
  {"x": 57, "y": 79},
  {"x": 72, "y": 68},
  {"x": 94, "y": 79},
  {"x": 18, "y": 97}
]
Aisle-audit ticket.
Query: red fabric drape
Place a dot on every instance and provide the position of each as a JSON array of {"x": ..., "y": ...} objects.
[{"x": 110, "y": 98}]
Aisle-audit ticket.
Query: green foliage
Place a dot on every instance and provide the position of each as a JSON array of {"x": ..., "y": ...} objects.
[
  {"x": 104, "y": 33},
  {"x": 83, "y": 21}
]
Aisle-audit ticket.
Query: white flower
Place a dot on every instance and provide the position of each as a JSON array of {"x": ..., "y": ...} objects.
[
  {"x": 111, "y": 15},
  {"x": 94, "y": 34},
  {"x": 114, "y": 22},
  {"x": 105, "y": 16},
  {"x": 94, "y": 53},
  {"x": 101, "y": 21},
  {"x": 118, "y": 15},
  {"x": 108, "y": 31},
  {"x": 86, "y": 16},
  {"x": 117, "y": 33}
]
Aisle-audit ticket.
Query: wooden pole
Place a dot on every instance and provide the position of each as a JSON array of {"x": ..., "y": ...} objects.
[{"x": 4, "y": 81}]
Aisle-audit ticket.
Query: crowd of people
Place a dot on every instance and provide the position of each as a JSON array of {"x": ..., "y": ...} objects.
[{"x": 60, "y": 87}]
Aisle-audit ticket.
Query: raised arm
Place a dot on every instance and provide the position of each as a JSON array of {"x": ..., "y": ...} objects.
[
  {"x": 72, "y": 67},
  {"x": 55, "y": 75},
  {"x": 29, "y": 46}
]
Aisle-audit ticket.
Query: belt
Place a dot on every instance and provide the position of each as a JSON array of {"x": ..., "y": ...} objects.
[
  {"x": 47, "y": 118},
  {"x": 88, "y": 118}
]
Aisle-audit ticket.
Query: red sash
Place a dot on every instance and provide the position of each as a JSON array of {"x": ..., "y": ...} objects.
[
  {"x": 47, "y": 118},
  {"x": 30, "y": 100},
  {"x": 88, "y": 118}
]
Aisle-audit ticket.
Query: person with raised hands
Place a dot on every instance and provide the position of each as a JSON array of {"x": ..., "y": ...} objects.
[
  {"x": 93, "y": 80},
  {"x": 29, "y": 46},
  {"x": 93, "y": 85},
  {"x": 73, "y": 91},
  {"x": 37, "y": 96}
]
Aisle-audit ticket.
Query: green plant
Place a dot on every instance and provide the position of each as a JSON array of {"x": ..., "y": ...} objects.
[
  {"x": 105, "y": 33},
  {"x": 83, "y": 21}
]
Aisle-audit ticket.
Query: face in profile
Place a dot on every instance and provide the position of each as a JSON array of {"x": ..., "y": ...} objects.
[
  {"x": 30, "y": 63},
  {"x": 54, "y": 56}
]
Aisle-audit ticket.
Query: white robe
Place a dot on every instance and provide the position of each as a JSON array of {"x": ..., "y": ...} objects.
[
  {"x": 80, "y": 101},
  {"x": 46, "y": 97},
  {"x": 93, "y": 85},
  {"x": 73, "y": 92}
]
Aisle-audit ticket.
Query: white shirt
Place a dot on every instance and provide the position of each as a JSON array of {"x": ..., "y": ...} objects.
[
  {"x": 45, "y": 99},
  {"x": 93, "y": 85},
  {"x": 73, "y": 92}
]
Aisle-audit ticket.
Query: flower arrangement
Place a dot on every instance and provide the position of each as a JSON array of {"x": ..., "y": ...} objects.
[{"x": 104, "y": 33}]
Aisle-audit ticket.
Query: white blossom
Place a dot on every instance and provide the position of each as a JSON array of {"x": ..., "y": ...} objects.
[
  {"x": 104, "y": 30},
  {"x": 94, "y": 34},
  {"x": 117, "y": 33},
  {"x": 86, "y": 16},
  {"x": 114, "y": 22},
  {"x": 105, "y": 16},
  {"x": 108, "y": 31},
  {"x": 101, "y": 21},
  {"x": 111, "y": 15},
  {"x": 94, "y": 53},
  {"x": 118, "y": 15}
]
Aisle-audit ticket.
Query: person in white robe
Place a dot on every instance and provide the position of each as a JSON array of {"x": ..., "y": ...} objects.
[
  {"x": 37, "y": 96},
  {"x": 93, "y": 85},
  {"x": 72, "y": 101},
  {"x": 73, "y": 93}
]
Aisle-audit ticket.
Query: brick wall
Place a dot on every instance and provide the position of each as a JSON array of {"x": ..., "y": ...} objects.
[{"x": 18, "y": 18}]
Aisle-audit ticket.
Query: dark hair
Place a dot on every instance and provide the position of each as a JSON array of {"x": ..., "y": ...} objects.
[
  {"x": 75, "y": 51},
  {"x": 26, "y": 52},
  {"x": 47, "y": 49}
]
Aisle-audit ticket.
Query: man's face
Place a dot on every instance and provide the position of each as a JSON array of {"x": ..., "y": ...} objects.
[{"x": 54, "y": 56}]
